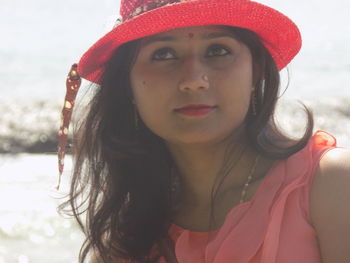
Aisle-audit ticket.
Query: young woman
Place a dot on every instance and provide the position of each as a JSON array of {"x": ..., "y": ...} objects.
[{"x": 178, "y": 158}]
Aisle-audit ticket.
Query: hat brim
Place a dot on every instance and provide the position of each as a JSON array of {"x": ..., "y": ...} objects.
[{"x": 278, "y": 33}]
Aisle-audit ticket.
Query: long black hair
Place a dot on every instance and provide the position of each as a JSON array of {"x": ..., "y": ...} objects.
[{"x": 122, "y": 176}]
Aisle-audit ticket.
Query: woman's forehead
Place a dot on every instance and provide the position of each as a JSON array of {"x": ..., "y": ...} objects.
[{"x": 204, "y": 32}]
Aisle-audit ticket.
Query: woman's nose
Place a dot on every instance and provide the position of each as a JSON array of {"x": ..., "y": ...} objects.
[{"x": 194, "y": 76}]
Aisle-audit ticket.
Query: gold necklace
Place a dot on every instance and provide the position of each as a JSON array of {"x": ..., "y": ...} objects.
[
  {"x": 246, "y": 185},
  {"x": 250, "y": 177}
]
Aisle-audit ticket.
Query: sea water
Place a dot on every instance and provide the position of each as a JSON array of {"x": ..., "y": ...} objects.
[
  {"x": 41, "y": 39},
  {"x": 30, "y": 228}
]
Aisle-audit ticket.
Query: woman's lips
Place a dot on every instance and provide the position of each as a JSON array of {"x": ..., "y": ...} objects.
[{"x": 195, "y": 111}]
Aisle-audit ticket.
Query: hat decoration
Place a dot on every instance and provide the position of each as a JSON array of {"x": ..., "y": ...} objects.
[
  {"x": 73, "y": 83},
  {"x": 145, "y": 6}
]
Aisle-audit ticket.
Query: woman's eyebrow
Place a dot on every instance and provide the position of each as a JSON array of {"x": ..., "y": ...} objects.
[{"x": 165, "y": 38}]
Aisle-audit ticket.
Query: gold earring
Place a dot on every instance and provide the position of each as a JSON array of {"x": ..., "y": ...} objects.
[
  {"x": 136, "y": 119},
  {"x": 253, "y": 101}
]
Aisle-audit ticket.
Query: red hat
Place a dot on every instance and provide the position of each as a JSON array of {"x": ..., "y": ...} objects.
[{"x": 141, "y": 18}]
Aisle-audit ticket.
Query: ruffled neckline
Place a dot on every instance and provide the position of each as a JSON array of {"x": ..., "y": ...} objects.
[
  {"x": 232, "y": 241},
  {"x": 176, "y": 229}
]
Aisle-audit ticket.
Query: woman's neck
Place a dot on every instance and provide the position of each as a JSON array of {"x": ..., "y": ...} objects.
[{"x": 200, "y": 165}]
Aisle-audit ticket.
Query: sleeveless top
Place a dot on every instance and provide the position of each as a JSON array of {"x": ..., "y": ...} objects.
[{"x": 273, "y": 227}]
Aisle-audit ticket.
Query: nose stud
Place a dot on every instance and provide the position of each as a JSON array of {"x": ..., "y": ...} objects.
[{"x": 194, "y": 84}]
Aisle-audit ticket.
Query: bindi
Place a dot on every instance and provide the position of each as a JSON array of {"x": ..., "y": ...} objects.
[{"x": 190, "y": 35}]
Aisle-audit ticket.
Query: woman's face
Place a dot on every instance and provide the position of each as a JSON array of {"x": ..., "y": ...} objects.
[{"x": 193, "y": 65}]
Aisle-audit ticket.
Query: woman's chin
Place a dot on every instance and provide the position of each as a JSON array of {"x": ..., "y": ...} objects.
[{"x": 196, "y": 138}]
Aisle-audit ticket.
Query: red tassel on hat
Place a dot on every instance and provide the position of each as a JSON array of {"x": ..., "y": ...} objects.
[{"x": 73, "y": 83}]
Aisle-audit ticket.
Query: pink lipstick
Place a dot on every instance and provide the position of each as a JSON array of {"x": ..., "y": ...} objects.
[{"x": 195, "y": 109}]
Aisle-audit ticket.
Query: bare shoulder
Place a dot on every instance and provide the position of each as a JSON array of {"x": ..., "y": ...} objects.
[
  {"x": 330, "y": 205},
  {"x": 95, "y": 259}
]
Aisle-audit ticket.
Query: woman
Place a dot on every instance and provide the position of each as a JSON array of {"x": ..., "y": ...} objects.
[{"x": 178, "y": 158}]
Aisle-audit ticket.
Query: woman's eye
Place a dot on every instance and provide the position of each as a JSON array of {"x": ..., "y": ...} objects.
[
  {"x": 218, "y": 50},
  {"x": 163, "y": 54},
  {"x": 168, "y": 53}
]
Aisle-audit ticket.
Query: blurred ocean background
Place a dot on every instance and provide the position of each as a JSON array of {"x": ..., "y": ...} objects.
[{"x": 41, "y": 39}]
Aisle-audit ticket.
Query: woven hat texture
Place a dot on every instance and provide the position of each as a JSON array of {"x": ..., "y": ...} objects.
[{"x": 141, "y": 18}]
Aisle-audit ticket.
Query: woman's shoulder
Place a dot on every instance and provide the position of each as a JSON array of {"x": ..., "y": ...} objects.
[
  {"x": 329, "y": 204},
  {"x": 331, "y": 182},
  {"x": 95, "y": 259}
]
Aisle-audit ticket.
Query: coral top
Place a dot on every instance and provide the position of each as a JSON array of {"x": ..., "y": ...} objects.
[{"x": 273, "y": 227}]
